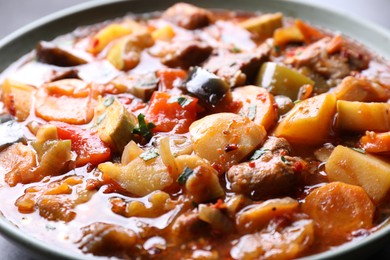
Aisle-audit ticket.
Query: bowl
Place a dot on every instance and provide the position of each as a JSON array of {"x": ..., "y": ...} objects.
[{"x": 22, "y": 41}]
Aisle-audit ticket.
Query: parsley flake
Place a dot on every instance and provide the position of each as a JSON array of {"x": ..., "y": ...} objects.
[
  {"x": 183, "y": 177},
  {"x": 108, "y": 101},
  {"x": 144, "y": 129},
  {"x": 183, "y": 101},
  {"x": 252, "y": 112},
  {"x": 284, "y": 160},
  {"x": 359, "y": 150},
  {"x": 149, "y": 154},
  {"x": 259, "y": 153},
  {"x": 101, "y": 118}
]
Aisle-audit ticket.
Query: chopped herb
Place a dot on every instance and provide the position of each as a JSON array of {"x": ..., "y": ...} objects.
[
  {"x": 284, "y": 160},
  {"x": 183, "y": 101},
  {"x": 144, "y": 129},
  {"x": 148, "y": 80},
  {"x": 50, "y": 227},
  {"x": 277, "y": 49},
  {"x": 182, "y": 179},
  {"x": 149, "y": 154},
  {"x": 235, "y": 49},
  {"x": 359, "y": 150},
  {"x": 101, "y": 118},
  {"x": 259, "y": 153},
  {"x": 297, "y": 101},
  {"x": 252, "y": 112},
  {"x": 108, "y": 101}
]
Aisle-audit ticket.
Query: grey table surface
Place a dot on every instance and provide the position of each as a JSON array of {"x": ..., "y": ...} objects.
[{"x": 17, "y": 13}]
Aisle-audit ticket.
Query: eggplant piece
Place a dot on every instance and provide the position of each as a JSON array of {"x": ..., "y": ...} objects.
[
  {"x": 11, "y": 132},
  {"x": 50, "y": 53},
  {"x": 206, "y": 86}
]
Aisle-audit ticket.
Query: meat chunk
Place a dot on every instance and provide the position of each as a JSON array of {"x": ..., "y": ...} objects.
[
  {"x": 104, "y": 239},
  {"x": 323, "y": 59},
  {"x": 186, "y": 54},
  {"x": 56, "y": 208},
  {"x": 237, "y": 69},
  {"x": 274, "y": 173},
  {"x": 188, "y": 226},
  {"x": 188, "y": 16}
]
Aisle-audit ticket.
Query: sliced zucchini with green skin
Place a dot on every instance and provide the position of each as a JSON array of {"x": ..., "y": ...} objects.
[
  {"x": 280, "y": 80},
  {"x": 114, "y": 123}
]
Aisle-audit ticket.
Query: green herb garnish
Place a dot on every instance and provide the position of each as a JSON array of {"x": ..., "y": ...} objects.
[
  {"x": 149, "y": 154},
  {"x": 108, "y": 101},
  {"x": 183, "y": 101},
  {"x": 259, "y": 153},
  {"x": 144, "y": 129},
  {"x": 252, "y": 112},
  {"x": 101, "y": 118},
  {"x": 235, "y": 49},
  {"x": 182, "y": 179},
  {"x": 359, "y": 150},
  {"x": 284, "y": 160},
  {"x": 277, "y": 49}
]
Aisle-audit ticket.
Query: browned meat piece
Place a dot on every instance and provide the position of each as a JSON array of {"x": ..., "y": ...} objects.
[
  {"x": 104, "y": 239},
  {"x": 186, "y": 54},
  {"x": 237, "y": 69},
  {"x": 330, "y": 65},
  {"x": 50, "y": 53},
  {"x": 56, "y": 208},
  {"x": 188, "y": 226},
  {"x": 274, "y": 173},
  {"x": 188, "y": 16}
]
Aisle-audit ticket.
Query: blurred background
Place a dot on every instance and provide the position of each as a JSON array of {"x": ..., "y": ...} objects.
[{"x": 17, "y": 13}]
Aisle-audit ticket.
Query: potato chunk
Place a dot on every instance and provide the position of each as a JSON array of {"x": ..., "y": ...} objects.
[
  {"x": 17, "y": 97},
  {"x": 361, "y": 116},
  {"x": 309, "y": 121},
  {"x": 283, "y": 243},
  {"x": 257, "y": 216},
  {"x": 225, "y": 138},
  {"x": 264, "y": 25},
  {"x": 365, "y": 170},
  {"x": 140, "y": 176}
]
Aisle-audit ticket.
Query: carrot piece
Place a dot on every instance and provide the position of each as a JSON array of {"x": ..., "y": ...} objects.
[
  {"x": 169, "y": 77},
  {"x": 171, "y": 113},
  {"x": 335, "y": 44},
  {"x": 66, "y": 100},
  {"x": 257, "y": 104},
  {"x": 376, "y": 142},
  {"x": 338, "y": 209},
  {"x": 310, "y": 34},
  {"x": 87, "y": 145}
]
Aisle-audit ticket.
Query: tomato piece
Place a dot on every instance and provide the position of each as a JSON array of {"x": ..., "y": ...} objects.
[
  {"x": 171, "y": 113},
  {"x": 87, "y": 144},
  {"x": 169, "y": 77}
]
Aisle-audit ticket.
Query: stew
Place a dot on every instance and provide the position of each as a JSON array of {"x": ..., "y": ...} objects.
[{"x": 197, "y": 134}]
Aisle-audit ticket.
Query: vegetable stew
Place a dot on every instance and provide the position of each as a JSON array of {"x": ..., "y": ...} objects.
[{"x": 197, "y": 134}]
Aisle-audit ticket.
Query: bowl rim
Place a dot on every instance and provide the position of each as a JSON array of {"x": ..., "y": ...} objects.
[{"x": 39, "y": 248}]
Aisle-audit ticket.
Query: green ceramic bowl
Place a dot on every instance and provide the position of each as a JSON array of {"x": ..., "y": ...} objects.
[{"x": 22, "y": 41}]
